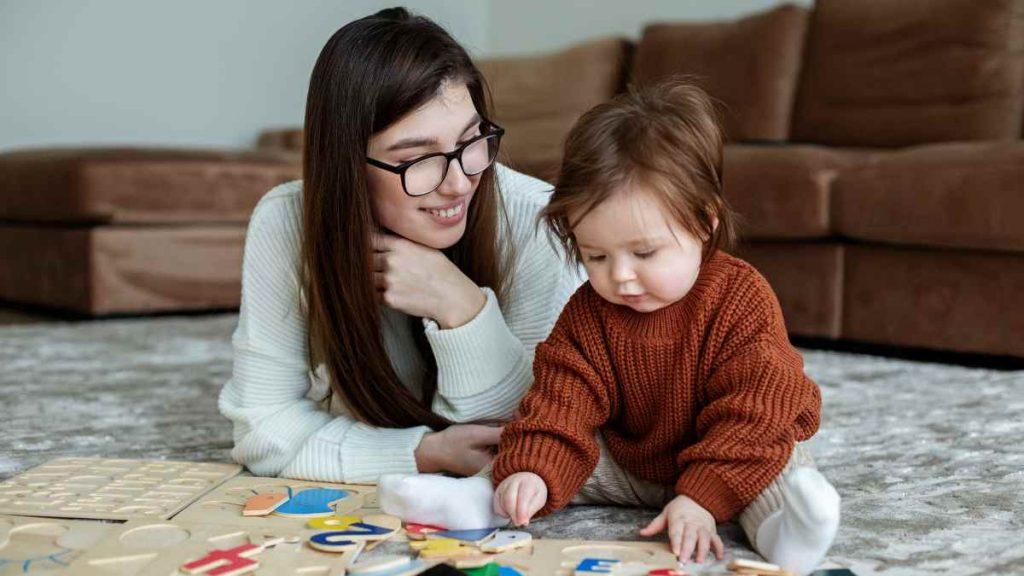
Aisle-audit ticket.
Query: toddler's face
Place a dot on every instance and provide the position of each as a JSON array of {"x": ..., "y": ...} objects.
[{"x": 635, "y": 256}]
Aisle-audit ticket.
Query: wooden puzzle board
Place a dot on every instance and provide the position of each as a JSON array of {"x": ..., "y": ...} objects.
[
  {"x": 560, "y": 557},
  {"x": 144, "y": 547},
  {"x": 43, "y": 545},
  {"x": 223, "y": 504},
  {"x": 109, "y": 488}
]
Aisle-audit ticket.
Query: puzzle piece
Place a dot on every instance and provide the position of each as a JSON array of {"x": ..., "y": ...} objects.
[
  {"x": 334, "y": 542},
  {"x": 667, "y": 572},
  {"x": 595, "y": 566},
  {"x": 312, "y": 502},
  {"x": 333, "y": 522},
  {"x": 742, "y": 566},
  {"x": 264, "y": 504},
  {"x": 471, "y": 536},
  {"x": 380, "y": 564},
  {"x": 420, "y": 531},
  {"x": 230, "y": 562},
  {"x": 505, "y": 540},
  {"x": 442, "y": 548}
]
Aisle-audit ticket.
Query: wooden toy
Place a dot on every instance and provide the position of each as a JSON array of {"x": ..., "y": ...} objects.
[
  {"x": 380, "y": 564},
  {"x": 311, "y": 502},
  {"x": 333, "y": 522},
  {"x": 443, "y": 548},
  {"x": 231, "y": 562},
  {"x": 667, "y": 572},
  {"x": 45, "y": 545},
  {"x": 110, "y": 488},
  {"x": 589, "y": 566},
  {"x": 263, "y": 504},
  {"x": 741, "y": 566},
  {"x": 225, "y": 503},
  {"x": 335, "y": 543},
  {"x": 419, "y": 531},
  {"x": 563, "y": 558},
  {"x": 139, "y": 548},
  {"x": 471, "y": 536},
  {"x": 506, "y": 540}
]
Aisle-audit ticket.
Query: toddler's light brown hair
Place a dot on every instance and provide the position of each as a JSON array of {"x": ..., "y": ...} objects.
[{"x": 665, "y": 139}]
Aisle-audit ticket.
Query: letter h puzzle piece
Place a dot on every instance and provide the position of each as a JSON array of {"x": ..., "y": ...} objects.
[{"x": 229, "y": 562}]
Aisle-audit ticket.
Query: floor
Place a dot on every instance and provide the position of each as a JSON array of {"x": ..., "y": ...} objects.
[{"x": 929, "y": 458}]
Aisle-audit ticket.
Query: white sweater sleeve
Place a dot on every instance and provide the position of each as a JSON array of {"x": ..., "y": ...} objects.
[
  {"x": 486, "y": 366},
  {"x": 277, "y": 429}
]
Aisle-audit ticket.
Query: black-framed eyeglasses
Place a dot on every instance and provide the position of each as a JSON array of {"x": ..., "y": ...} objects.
[{"x": 421, "y": 176}]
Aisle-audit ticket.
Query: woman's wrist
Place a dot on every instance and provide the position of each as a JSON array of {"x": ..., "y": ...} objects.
[{"x": 460, "y": 308}]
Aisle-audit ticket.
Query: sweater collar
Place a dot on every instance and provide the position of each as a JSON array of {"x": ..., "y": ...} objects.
[{"x": 672, "y": 320}]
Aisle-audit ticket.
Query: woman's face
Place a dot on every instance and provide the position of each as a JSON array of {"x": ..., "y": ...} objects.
[{"x": 437, "y": 219}]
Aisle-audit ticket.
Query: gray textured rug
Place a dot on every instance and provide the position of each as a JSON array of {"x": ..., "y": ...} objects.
[{"x": 929, "y": 459}]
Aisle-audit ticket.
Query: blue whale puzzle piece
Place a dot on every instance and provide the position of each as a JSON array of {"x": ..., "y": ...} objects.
[{"x": 312, "y": 501}]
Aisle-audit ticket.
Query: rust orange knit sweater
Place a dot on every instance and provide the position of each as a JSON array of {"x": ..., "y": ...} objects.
[{"x": 706, "y": 394}]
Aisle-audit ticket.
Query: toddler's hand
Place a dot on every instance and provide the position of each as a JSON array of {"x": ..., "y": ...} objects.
[
  {"x": 691, "y": 529},
  {"x": 520, "y": 496}
]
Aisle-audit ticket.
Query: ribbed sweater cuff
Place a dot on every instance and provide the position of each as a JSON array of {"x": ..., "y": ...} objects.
[
  {"x": 557, "y": 464},
  {"x": 709, "y": 490},
  {"x": 477, "y": 355},
  {"x": 370, "y": 452}
]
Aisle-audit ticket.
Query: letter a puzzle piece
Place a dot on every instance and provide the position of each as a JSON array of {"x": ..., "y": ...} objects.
[
  {"x": 229, "y": 562},
  {"x": 263, "y": 504}
]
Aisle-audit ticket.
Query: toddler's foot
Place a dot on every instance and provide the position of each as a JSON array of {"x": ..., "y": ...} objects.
[
  {"x": 455, "y": 503},
  {"x": 797, "y": 536}
]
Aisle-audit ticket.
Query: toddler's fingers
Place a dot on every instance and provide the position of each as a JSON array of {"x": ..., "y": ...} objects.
[
  {"x": 523, "y": 514},
  {"x": 675, "y": 536},
  {"x": 508, "y": 501},
  {"x": 689, "y": 543},
  {"x": 496, "y": 502},
  {"x": 717, "y": 546},
  {"x": 655, "y": 526},
  {"x": 703, "y": 544}
]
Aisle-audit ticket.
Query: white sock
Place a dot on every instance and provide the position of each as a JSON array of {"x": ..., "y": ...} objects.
[
  {"x": 453, "y": 503},
  {"x": 797, "y": 536}
]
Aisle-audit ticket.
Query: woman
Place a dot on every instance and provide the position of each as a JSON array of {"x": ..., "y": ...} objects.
[{"x": 406, "y": 266}]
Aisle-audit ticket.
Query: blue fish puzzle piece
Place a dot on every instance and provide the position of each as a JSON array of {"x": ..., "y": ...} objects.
[
  {"x": 311, "y": 502},
  {"x": 596, "y": 565},
  {"x": 473, "y": 536}
]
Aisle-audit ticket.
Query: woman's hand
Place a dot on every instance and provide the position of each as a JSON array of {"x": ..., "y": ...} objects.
[
  {"x": 691, "y": 529},
  {"x": 423, "y": 282},
  {"x": 462, "y": 449},
  {"x": 520, "y": 496}
]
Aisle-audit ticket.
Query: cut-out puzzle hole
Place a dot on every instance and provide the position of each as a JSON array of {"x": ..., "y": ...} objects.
[
  {"x": 154, "y": 537},
  {"x": 230, "y": 540},
  {"x": 611, "y": 551},
  {"x": 122, "y": 564}
]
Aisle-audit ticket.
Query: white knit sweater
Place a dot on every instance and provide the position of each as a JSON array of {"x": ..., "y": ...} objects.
[{"x": 484, "y": 366}]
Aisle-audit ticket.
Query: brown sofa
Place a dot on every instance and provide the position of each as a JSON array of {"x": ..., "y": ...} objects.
[
  {"x": 115, "y": 231},
  {"x": 875, "y": 157}
]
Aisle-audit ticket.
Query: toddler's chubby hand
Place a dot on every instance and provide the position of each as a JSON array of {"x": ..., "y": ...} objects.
[
  {"x": 691, "y": 530},
  {"x": 520, "y": 496}
]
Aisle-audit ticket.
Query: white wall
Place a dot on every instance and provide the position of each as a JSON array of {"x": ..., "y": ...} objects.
[
  {"x": 179, "y": 72},
  {"x": 215, "y": 72},
  {"x": 532, "y": 26}
]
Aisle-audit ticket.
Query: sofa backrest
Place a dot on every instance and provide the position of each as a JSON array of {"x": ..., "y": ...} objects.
[
  {"x": 538, "y": 98},
  {"x": 899, "y": 73},
  {"x": 750, "y": 65}
]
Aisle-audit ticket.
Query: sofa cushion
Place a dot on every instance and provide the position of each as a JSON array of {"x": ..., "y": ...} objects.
[
  {"x": 965, "y": 195},
  {"x": 807, "y": 278},
  {"x": 961, "y": 300},
  {"x": 138, "y": 185},
  {"x": 751, "y": 65},
  {"x": 783, "y": 192},
  {"x": 891, "y": 73},
  {"x": 537, "y": 99}
]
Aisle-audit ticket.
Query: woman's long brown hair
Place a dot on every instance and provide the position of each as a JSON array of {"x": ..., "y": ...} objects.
[{"x": 371, "y": 73}]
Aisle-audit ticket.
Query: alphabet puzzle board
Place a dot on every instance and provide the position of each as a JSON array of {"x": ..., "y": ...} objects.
[
  {"x": 43, "y": 545},
  {"x": 145, "y": 547},
  {"x": 109, "y": 488},
  {"x": 223, "y": 504},
  {"x": 561, "y": 557}
]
